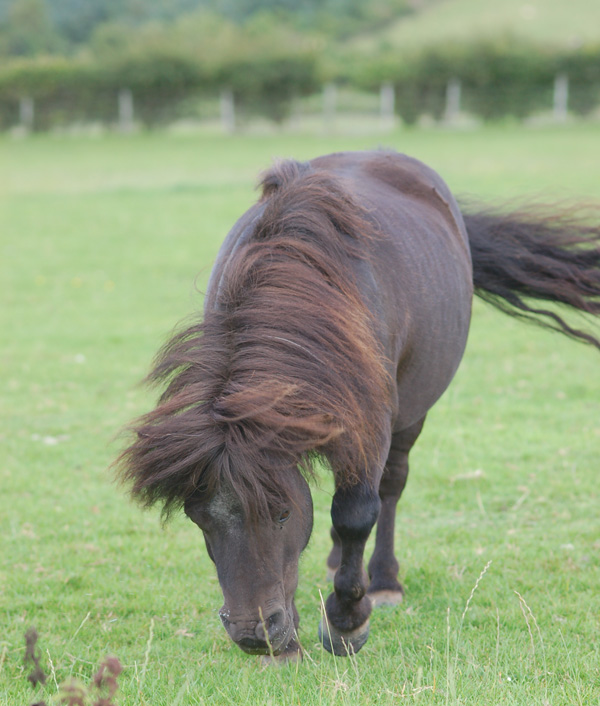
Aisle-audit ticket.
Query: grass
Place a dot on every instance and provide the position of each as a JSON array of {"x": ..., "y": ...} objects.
[{"x": 102, "y": 241}]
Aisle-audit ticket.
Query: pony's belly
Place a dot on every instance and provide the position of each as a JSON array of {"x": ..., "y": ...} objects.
[{"x": 425, "y": 372}]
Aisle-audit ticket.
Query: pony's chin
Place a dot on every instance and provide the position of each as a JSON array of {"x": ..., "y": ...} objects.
[
  {"x": 256, "y": 650},
  {"x": 264, "y": 651}
]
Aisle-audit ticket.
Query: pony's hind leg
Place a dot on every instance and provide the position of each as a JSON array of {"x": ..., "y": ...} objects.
[
  {"x": 384, "y": 587},
  {"x": 335, "y": 555}
]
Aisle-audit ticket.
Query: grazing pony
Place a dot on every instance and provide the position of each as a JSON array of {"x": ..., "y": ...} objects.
[{"x": 336, "y": 315}]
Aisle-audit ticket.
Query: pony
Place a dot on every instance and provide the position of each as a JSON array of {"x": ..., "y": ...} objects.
[{"x": 335, "y": 316}]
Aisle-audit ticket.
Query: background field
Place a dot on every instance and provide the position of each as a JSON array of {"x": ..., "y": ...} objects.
[{"x": 102, "y": 242}]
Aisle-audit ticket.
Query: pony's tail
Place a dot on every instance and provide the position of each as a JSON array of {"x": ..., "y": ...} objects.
[{"x": 538, "y": 255}]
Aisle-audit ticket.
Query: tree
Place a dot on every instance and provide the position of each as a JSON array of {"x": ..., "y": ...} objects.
[{"x": 28, "y": 30}]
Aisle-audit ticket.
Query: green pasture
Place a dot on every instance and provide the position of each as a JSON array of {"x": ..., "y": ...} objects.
[{"x": 106, "y": 245}]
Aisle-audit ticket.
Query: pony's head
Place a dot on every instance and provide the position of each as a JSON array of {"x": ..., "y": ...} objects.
[{"x": 256, "y": 557}]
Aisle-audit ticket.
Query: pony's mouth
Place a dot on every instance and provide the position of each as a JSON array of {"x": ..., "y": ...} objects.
[{"x": 252, "y": 646}]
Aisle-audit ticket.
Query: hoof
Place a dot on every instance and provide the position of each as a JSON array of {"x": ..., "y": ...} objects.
[
  {"x": 386, "y": 597},
  {"x": 340, "y": 643}
]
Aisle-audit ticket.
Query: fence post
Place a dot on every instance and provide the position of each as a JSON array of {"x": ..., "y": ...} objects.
[
  {"x": 387, "y": 100},
  {"x": 561, "y": 97},
  {"x": 125, "y": 110},
  {"x": 329, "y": 105},
  {"x": 227, "y": 102},
  {"x": 453, "y": 91},
  {"x": 26, "y": 112}
]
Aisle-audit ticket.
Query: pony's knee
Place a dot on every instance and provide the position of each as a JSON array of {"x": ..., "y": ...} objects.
[{"x": 354, "y": 512}]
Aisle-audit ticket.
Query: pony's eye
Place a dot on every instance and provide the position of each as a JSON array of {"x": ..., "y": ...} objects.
[{"x": 284, "y": 517}]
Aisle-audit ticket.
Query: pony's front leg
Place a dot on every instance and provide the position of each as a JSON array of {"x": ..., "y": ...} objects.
[{"x": 345, "y": 626}]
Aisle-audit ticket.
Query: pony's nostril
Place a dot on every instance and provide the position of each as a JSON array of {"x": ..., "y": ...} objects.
[
  {"x": 275, "y": 620},
  {"x": 273, "y": 624}
]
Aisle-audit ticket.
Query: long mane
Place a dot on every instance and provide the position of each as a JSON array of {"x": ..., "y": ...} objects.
[{"x": 284, "y": 368}]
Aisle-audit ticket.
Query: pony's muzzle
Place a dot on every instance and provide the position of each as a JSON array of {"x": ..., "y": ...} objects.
[{"x": 261, "y": 637}]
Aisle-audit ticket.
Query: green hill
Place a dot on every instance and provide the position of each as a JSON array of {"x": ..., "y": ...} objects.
[{"x": 566, "y": 24}]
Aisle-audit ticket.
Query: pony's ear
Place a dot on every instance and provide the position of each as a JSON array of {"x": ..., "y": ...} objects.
[{"x": 282, "y": 174}]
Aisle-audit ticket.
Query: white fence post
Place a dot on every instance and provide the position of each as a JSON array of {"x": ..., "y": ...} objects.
[
  {"x": 26, "y": 112},
  {"x": 453, "y": 91},
  {"x": 329, "y": 105},
  {"x": 561, "y": 98},
  {"x": 125, "y": 110},
  {"x": 387, "y": 101},
  {"x": 227, "y": 102}
]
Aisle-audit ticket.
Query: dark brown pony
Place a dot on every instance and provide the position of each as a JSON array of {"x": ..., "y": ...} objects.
[{"x": 336, "y": 315}]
